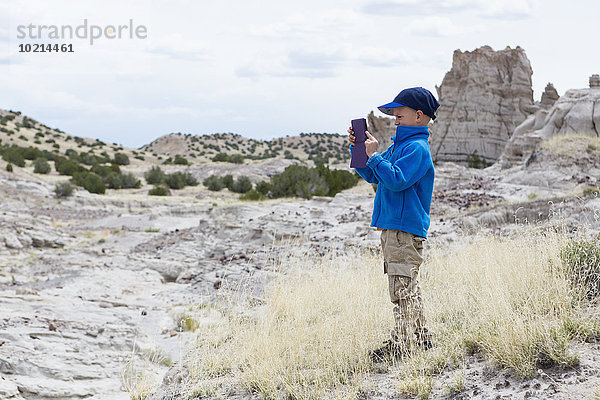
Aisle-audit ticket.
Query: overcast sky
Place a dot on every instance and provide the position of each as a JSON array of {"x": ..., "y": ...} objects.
[{"x": 270, "y": 68}]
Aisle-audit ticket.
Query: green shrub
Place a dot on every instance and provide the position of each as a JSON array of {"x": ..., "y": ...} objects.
[
  {"x": 9, "y": 167},
  {"x": 582, "y": 262},
  {"x": 67, "y": 167},
  {"x": 263, "y": 187},
  {"x": 227, "y": 181},
  {"x": 13, "y": 155},
  {"x": 190, "y": 180},
  {"x": 474, "y": 161},
  {"x": 63, "y": 189},
  {"x": 90, "y": 182},
  {"x": 252, "y": 195},
  {"x": 236, "y": 159},
  {"x": 175, "y": 180},
  {"x": 298, "y": 180},
  {"x": 121, "y": 159},
  {"x": 221, "y": 157},
  {"x": 129, "y": 181},
  {"x": 41, "y": 166},
  {"x": 242, "y": 184},
  {"x": 154, "y": 176},
  {"x": 179, "y": 160},
  {"x": 31, "y": 153},
  {"x": 158, "y": 191},
  {"x": 337, "y": 180},
  {"x": 213, "y": 183}
]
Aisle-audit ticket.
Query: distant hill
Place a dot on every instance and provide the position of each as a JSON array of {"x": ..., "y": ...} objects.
[
  {"x": 319, "y": 147},
  {"x": 20, "y": 130}
]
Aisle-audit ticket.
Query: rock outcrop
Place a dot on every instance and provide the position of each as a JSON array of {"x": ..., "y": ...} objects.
[
  {"x": 382, "y": 128},
  {"x": 577, "y": 112},
  {"x": 483, "y": 98}
]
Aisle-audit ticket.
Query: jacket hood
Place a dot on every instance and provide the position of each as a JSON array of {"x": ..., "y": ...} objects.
[{"x": 410, "y": 132}]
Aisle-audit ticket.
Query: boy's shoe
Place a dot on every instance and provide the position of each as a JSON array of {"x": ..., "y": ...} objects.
[{"x": 388, "y": 352}]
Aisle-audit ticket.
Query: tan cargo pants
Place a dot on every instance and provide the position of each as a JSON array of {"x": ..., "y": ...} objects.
[{"x": 402, "y": 258}]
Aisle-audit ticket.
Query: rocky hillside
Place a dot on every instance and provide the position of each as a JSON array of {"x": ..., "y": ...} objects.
[
  {"x": 319, "y": 147},
  {"x": 20, "y": 130}
]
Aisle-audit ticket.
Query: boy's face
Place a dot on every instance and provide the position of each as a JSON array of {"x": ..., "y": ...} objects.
[{"x": 408, "y": 117}]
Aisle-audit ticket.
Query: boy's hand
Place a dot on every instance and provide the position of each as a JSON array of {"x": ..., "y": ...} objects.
[
  {"x": 351, "y": 137},
  {"x": 370, "y": 144}
]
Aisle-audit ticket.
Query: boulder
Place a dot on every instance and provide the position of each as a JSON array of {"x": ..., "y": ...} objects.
[
  {"x": 575, "y": 112},
  {"x": 483, "y": 98}
]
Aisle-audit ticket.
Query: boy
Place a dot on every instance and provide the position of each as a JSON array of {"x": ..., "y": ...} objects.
[{"x": 404, "y": 176}]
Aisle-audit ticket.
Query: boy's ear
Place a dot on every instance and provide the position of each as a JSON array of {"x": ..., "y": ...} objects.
[{"x": 420, "y": 115}]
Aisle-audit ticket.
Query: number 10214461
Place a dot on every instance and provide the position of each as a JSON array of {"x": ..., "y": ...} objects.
[{"x": 45, "y": 48}]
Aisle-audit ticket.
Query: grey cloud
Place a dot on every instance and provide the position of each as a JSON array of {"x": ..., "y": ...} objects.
[
  {"x": 297, "y": 64},
  {"x": 485, "y": 8}
]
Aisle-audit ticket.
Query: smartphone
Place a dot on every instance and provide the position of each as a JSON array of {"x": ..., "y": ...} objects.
[{"x": 359, "y": 153}]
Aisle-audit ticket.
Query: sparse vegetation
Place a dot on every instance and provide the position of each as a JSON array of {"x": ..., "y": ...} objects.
[
  {"x": 508, "y": 299},
  {"x": 63, "y": 189},
  {"x": 159, "y": 191},
  {"x": 41, "y": 166}
]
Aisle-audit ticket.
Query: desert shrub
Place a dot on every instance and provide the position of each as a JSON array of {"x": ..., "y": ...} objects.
[
  {"x": 31, "y": 153},
  {"x": 221, "y": 157},
  {"x": 112, "y": 180},
  {"x": 298, "y": 180},
  {"x": 158, "y": 191},
  {"x": 337, "y": 180},
  {"x": 242, "y": 184},
  {"x": 252, "y": 195},
  {"x": 474, "y": 161},
  {"x": 67, "y": 167},
  {"x": 236, "y": 159},
  {"x": 263, "y": 187},
  {"x": 41, "y": 166},
  {"x": 227, "y": 181},
  {"x": 190, "y": 180},
  {"x": 63, "y": 189},
  {"x": 154, "y": 176},
  {"x": 9, "y": 167},
  {"x": 90, "y": 182},
  {"x": 213, "y": 183},
  {"x": 582, "y": 261},
  {"x": 288, "y": 155},
  {"x": 121, "y": 159},
  {"x": 13, "y": 155},
  {"x": 179, "y": 160},
  {"x": 175, "y": 180}
]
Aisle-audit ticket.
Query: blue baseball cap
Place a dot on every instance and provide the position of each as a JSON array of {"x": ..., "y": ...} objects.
[{"x": 417, "y": 98}]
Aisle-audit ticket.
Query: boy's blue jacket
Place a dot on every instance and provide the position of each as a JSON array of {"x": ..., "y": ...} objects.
[{"x": 404, "y": 174}]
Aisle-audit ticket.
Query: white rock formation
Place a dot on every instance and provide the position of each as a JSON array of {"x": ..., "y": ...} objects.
[
  {"x": 577, "y": 112},
  {"x": 483, "y": 98}
]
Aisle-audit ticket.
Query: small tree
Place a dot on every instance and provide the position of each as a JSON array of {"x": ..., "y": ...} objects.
[
  {"x": 221, "y": 157},
  {"x": 175, "y": 181},
  {"x": 236, "y": 159},
  {"x": 158, "y": 191},
  {"x": 213, "y": 183},
  {"x": 63, "y": 189},
  {"x": 121, "y": 159},
  {"x": 154, "y": 176},
  {"x": 242, "y": 184},
  {"x": 179, "y": 160},
  {"x": 9, "y": 167},
  {"x": 227, "y": 181},
  {"x": 41, "y": 166},
  {"x": 263, "y": 187}
]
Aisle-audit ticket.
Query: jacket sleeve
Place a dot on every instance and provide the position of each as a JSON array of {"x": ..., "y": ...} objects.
[
  {"x": 404, "y": 172},
  {"x": 366, "y": 173}
]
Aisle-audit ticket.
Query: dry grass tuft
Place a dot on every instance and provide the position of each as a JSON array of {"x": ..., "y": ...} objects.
[
  {"x": 505, "y": 298},
  {"x": 572, "y": 146}
]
